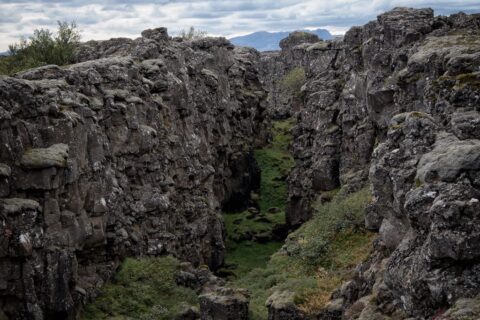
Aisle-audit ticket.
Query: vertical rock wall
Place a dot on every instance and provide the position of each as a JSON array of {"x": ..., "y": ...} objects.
[
  {"x": 396, "y": 102},
  {"x": 296, "y": 52},
  {"x": 131, "y": 151}
]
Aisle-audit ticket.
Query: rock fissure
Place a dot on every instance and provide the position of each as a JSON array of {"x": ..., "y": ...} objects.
[{"x": 136, "y": 149}]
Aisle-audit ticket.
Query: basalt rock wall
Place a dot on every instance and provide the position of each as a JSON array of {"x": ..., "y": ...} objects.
[
  {"x": 395, "y": 103},
  {"x": 131, "y": 151},
  {"x": 297, "y": 52}
]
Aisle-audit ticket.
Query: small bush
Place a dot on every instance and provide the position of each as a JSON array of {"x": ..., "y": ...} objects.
[
  {"x": 192, "y": 34},
  {"x": 313, "y": 241},
  {"x": 293, "y": 81},
  {"x": 42, "y": 48}
]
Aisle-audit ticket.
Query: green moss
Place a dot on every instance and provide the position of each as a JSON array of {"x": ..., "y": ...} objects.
[
  {"x": 418, "y": 114},
  {"x": 312, "y": 242},
  {"x": 247, "y": 255},
  {"x": 468, "y": 79},
  {"x": 240, "y": 226},
  {"x": 418, "y": 183},
  {"x": 396, "y": 126},
  {"x": 142, "y": 289},
  {"x": 275, "y": 163}
]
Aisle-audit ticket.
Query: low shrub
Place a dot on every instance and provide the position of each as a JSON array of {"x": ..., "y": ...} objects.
[
  {"x": 192, "y": 34},
  {"x": 42, "y": 48},
  {"x": 293, "y": 81}
]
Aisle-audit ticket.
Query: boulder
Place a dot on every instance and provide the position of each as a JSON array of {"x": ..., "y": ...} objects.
[
  {"x": 221, "y": 303},
  {"x": 39, "y": 158},
  {"x": 281, "y": 306}
]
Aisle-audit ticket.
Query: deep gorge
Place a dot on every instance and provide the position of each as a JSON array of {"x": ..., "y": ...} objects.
[{"x": 159, "y": 178}]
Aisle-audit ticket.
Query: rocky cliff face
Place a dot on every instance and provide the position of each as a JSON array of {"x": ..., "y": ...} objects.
[
  {"x": 297, "y": 52},
  {"x": 131, "y": 151},
  {"x": 397, "y": 102}
]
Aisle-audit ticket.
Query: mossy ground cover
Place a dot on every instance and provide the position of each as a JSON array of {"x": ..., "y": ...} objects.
[
  {"x": 316, "y": 258},
  {"x": 275, "y": 162},
  {"x": 142, "y": 289}
]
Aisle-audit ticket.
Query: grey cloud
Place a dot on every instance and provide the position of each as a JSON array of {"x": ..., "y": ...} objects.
[{"x": 108, "y": 18}]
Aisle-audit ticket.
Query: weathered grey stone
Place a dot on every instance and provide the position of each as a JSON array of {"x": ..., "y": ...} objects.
[
  {"x": 466, "y": 309},
  {"x": 128, "y": 152},
  {"x": 449, "y": 158},
  {"x": 281, "y": 306},
  {"x": 224, "y": 304},
  {"x": 17, "y": 205},
  {"x": 5, "y": 170},
  {"x": 396, "y": 102},
  {"x": 39, "y": 158}
]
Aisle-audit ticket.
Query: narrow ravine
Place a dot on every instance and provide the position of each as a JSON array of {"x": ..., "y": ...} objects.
[
  {"x": 303, "y": 268},
  {"x": 255, "y": 234}
]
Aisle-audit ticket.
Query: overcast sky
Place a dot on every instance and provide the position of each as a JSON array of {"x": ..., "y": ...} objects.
[{"x": 113, "y": 18}]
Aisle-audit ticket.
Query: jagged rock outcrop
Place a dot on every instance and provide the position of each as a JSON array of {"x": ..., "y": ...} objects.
[
  {"x": 281, "y": 306},
  {"x": 376, "y": 72},
  {"x": 220, "y": 303},
  {"x": 298, "y": 51},
  {"x": 397, "y": 103},
  {"x": 131, "y": 151}
]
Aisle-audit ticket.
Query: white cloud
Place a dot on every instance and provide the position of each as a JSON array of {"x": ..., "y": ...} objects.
[{"x": 114, "y": 18}]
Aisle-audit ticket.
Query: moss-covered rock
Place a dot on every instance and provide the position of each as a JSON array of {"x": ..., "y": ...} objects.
[{"x": 39, "y": 158}]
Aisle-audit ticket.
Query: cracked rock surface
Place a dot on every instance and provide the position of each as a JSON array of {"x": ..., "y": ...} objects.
[{"x": 131, "y": 151}]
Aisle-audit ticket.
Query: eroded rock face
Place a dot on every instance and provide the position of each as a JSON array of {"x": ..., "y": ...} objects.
[
  {"x": 131, "y": 151},
  {"x": 281, "y": 306},
  {"x": 222, "y": 303},
  {"x": 429, "y": 175},
  {"x": 396, "y": 103},
  {"x": 407, "y": 60},
  {"x": 298, "y": 51}
]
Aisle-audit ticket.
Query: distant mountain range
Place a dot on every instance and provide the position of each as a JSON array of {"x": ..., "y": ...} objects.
[
  {"x": 5, "y": 53},
  {"x": 269, "y": 41}
]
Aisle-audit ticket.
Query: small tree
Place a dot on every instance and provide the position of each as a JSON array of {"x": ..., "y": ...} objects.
[
  {"x": 192, "y": 34},
  {"x": 293, "y": 81},
  {"x": 43, "y": 48},
  {"x": 67, "y": 41}
]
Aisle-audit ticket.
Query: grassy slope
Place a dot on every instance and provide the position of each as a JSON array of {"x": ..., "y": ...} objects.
[
  {"x": 142, "y": 289},
  {"x": 316, "y": 258}
]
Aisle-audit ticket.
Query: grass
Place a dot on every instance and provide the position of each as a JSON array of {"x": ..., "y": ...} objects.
[
  {"x": 275, "y": 163},
  {"x": 248, "y": 255},
  {"x": 316, "y": 258},
  {"x": 142, "y": 289},
  {"x": 249, "y": 260}
]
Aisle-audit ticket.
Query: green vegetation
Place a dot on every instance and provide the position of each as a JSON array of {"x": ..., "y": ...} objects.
[
  {"x": 275, "y": 163},
  {"x": 42, "y": 48},
  {"x": 248, "y": 255},
  {"x": 469, "y": 79},
  {"x": 316, "y": 258},
  {"x": 245, "y": 230},
  {"x": 192, "y": 34},
  {"x": 293, "y": 81},
  {"x": 142, "y": 289}
]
